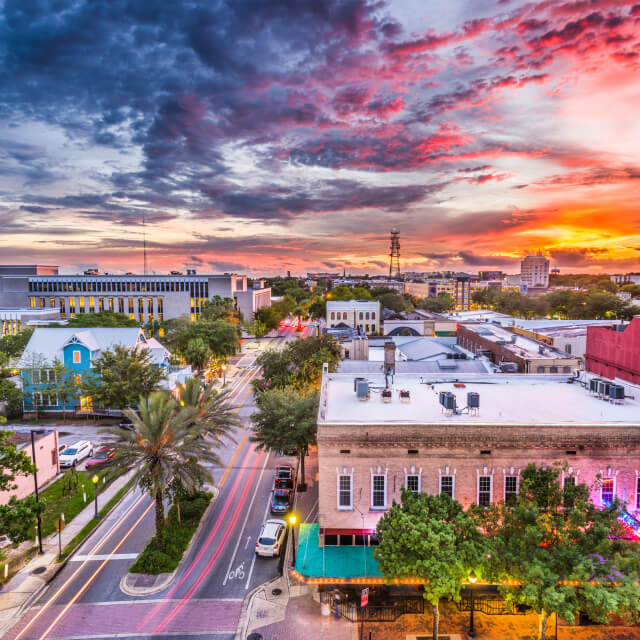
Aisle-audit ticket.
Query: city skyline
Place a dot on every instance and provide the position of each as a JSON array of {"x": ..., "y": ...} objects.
[{"x": 273, "y": 137}]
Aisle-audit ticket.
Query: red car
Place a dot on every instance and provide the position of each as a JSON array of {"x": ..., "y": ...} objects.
[{"x": 101, "y": 456}]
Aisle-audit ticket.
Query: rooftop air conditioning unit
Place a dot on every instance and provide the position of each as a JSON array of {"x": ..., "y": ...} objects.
[{"x": 362, "y": 390}]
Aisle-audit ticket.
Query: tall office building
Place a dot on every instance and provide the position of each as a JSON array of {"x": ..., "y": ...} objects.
[{"x": 534, "y": 270}]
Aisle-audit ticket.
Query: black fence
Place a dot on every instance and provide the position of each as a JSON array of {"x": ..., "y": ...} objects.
[{"x": 386, "y": 610}]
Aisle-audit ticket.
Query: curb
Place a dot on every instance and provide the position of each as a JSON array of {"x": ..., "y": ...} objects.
[
  {"x": 131, "y": 590},
  {"x": 247, "y": 605}
]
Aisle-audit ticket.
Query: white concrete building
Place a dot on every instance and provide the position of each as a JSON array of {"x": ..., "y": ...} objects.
[
  {"x": 534, "y": 270},
  {"x": 359, "y": 314}
]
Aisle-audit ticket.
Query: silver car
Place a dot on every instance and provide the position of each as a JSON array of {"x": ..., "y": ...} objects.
[{"x": 271, "y": 538}]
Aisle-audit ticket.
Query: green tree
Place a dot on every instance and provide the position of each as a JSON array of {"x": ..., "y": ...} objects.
[
  {"x": 341, "y": 292},
  {"x": 218, "y": 308},
  {"x": 286, "y": 420},
  {"x": 197, "y": 353},
  {"x": 163, "y": 447},
  {"x": 562, "y": 550},
  {"x": 62, "y": 383},
  {"x": 220, "y": 336},
  {"x": 318, "y": 308},
  {"x": 299, "y": 364},
  {"x": 101, "y": 319},
  {"x": 213, "y": 412},
  {"x": 120, "y": 376},
  {"x": 13, "y": 344},
  {"x": 443, "y": 302},
  {"x": 17, "y": 518},
  {"x": 13, "y": 461},
  {"x": 10, "y": 394},
  {"x": 394, "y": 302},
  {"x": 433, "y": 538}
]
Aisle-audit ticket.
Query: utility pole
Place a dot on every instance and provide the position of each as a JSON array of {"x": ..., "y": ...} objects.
[{"x": 35, "y": 480}]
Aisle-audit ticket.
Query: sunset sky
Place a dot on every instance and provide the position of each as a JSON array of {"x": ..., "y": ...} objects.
[{"x": 261, "y": 136}]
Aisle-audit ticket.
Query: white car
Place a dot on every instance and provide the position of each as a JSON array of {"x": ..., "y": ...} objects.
[
  {"x": 271, "y": 538},
  {"x": 76, "y": 453}
]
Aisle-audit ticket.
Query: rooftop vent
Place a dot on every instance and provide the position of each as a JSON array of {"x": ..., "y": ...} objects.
[
  {"x": 616, "y": 392},
  {"x": 405, "y": 395},
  {"x": 355, "y": 383},
  {"x": 514, "y": 337},
  {"x": 362, "y": 390},
  {"x": 387, "y": 395},
  {"x": 447, "y": 364},
  {"x": 473, "y": 400}
]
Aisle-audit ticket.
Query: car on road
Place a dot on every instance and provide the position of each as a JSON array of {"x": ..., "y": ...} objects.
[
  {"x": 281, "y": 500},
  {"x": 271, "y": 538},
  {"x": 284, "y": 477},
  {"x": 100, "y": 457},
  {"x": 76, "y": 453}
]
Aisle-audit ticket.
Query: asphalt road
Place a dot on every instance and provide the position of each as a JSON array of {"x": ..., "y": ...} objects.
[{"x": 85, "y": 600}]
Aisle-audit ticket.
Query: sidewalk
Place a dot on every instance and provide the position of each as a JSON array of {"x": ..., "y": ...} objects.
[{"x": 25, "y": 585}]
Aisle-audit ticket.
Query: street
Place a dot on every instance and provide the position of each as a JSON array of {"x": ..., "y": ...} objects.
[{"x": 205, "y": 599}]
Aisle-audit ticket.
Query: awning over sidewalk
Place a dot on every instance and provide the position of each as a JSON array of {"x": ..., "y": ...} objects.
[{"x": 333, "y": 564}]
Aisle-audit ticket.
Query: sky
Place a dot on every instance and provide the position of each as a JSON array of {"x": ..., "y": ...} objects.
[{"x": 264, "y": 136}]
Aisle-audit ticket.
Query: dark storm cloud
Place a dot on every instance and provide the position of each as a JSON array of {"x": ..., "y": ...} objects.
[{"x": 576, "y": 257}]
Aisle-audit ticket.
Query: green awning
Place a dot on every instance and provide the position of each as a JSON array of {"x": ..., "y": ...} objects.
[{"x": 332, "y": 562}]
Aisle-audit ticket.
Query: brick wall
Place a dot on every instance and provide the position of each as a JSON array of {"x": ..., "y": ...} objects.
[{"x": 614, "y": 354}]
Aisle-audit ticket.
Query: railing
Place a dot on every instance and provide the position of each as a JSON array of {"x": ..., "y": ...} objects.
[
  {"x": 491, "y": 606},
  {"x": 388, "y": 611}
]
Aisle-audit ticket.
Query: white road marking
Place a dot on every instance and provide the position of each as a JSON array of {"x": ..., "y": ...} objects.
[
  {"x": 104, "y": 556},
  {"x": 244, "y": 524},
  {"x": 264, "y": 517}
]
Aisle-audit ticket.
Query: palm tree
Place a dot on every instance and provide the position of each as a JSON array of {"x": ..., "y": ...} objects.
[
  {"x": 163, "y": 447},
  {"x": 210, "y": 411}
]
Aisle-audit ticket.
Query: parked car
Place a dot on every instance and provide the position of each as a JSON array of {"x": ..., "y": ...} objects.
[
  {"x": 126, "y": 424},
  {"x": 271, "y": 538},
  {"x": 285, "y": 477},
  {"x": 76, "y": 453},
  {"x": 281, "y": 500},
  {"x": 100, "y": 457}
]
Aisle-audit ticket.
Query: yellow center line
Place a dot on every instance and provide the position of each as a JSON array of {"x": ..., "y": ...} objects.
[
  {"x": 97, "y": 571},
  {"x": 223, "y": 479},
  {"x": 75, "y": 573}
]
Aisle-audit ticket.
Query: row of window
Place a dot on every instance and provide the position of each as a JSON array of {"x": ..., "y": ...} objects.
[
  {"x": 88, "y": 305},
  {"x": 363, "y": 315},
  {"x": 11, "y": 326},
  {"x": 484, "y": 495},
  {"x": 57, "y": 286}
]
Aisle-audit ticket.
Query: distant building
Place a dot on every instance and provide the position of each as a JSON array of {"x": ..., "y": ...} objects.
[
  {"x": 358, "y": 314},
  {"x": 513, "y": 352},
  {"x": 15, "y": 320},
  {"x": 77, "y": 348},
  {"x": 534, "y": 270},
  {"x": 141, "y": 297},
  {"x": 627, "y": 278},
  {"x": 614, "y": 352},
  {"x": 46, "y": 446},
  {"x": 491, "y": 275}
]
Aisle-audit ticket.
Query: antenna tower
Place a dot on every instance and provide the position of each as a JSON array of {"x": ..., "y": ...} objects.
[
  {"x": 144, "y": 244},
  {"x": 394, "y": 255}
]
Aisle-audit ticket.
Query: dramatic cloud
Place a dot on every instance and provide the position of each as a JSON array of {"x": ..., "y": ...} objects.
[{"x": 263, "y": 136}]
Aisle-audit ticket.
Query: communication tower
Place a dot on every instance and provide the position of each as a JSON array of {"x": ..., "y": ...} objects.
[{"x": 394, "y": 255}]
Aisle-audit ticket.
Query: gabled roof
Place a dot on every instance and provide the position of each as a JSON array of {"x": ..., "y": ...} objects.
[{"x": 49, "y": 342}]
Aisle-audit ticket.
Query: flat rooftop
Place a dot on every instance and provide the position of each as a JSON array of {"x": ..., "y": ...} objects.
[
  {"x": 519, "y": 345},
  {"x": 504, "y": 399}
]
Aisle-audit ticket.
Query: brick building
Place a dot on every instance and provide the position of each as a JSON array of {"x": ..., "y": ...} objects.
[
  {"x": 371, "y": 446},
  {"x": 514, "y": 352},
  {"x": 614, "y": 352}
]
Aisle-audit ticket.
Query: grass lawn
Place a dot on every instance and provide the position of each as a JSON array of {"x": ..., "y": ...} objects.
[
  {"x": 58, "y": 499},
  {"x": 177, "y": 536}
]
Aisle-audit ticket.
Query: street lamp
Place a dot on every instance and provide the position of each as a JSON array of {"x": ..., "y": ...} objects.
[
  {"x": 292, "y": 521},
  {"x": 472, "y": 580},
  {"x": 224, "y": 374},
  {"x": 95, "y": 481}
]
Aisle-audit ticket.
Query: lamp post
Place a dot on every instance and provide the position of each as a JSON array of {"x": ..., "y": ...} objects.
[
  {"x": 472, "y": 580},
  {"x": 35, "y": 480},
  {"x": 95, "y": 481},
  {"x": 224, "y": 374},
  {"x": 292, "y": 521}
]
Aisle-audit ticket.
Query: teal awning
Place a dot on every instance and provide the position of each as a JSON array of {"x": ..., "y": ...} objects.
[{"x": 332, "y": 562}]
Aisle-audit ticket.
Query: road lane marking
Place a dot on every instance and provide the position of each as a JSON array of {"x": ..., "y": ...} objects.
[
  {"x": 223, "y": 478},
  {"x": 203, "y": 574},
  {"x": 84, "y": 587},
  {"x": 253, "y": 560},
  {"x": 75, "y": 573},
  {"x": 168, "y": 634},
  {"x": 205, "y": 546},
  {"x": 107, "y": 603},
  {"x": 244, "y": 524},
  {"x": 104, "y": 556}
]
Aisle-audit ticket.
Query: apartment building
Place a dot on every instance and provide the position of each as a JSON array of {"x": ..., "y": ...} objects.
[{"x": 534, "y": 270}]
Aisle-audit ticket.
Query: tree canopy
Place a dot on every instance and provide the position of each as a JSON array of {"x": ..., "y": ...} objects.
[
  {"x": 299, "y": 364},
  {"x": 13, "y": 344},
  {"x": 120, "y": 376},
  {"x": 219, "y": 336},
  {"x": 13, "y": 462},
  {"x": 286, "y": 420},
  {"x": 101, "y": 319},
  {"x": 433, "y": 538},
  {"x": 564, "y": 552}
]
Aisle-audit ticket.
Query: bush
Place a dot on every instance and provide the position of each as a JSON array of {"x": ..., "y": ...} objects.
[{"x": 177, "y": 536}]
